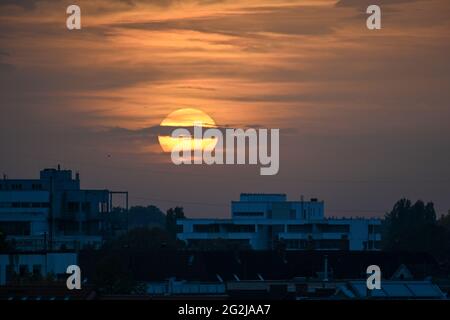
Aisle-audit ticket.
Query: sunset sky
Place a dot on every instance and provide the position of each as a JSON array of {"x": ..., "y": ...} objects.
[{"x": 364, "y": 116}]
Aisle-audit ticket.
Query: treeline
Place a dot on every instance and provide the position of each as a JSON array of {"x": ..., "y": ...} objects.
[
  {"x": 416, "y": 227},
  {"x": 157, "y": 231},
  {"x": 143, "y": 217}
]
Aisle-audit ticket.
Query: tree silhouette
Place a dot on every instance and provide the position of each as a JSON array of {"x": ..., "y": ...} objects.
[
  {"x": 413, "y": 227},
  {"x": 172, "y": 216},
  {"x": 113, "y": 270},
  {"x": 139, "y": 239}
]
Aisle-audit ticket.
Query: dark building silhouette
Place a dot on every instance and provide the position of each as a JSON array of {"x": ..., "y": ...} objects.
[{"x": 52, "y": 212}]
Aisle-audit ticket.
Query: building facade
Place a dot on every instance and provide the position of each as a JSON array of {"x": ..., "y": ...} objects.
[
  {"x": 52, "y": 212},
  {"x": 16, "y": 266},
  {"x": 266, "y": 221}
]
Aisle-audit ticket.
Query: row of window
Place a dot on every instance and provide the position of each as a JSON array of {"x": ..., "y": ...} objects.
[
  {"x": 15, "y": 228},
  {"x": 338, "y": 244},
  {"x": 86, "y": 207},
  {"x": 294, "y": 228},
  {"x": 300, "y": 228},
  {"x": 19, "y": 186},
  {"x": 248, "y": 214},
  {"x": 333, "y": 228},
  {"x": 24, "y": 204},
  {"x": 277, "y": 214},
  {"x": 71, "y": 206},
  {"x": 76, "y": 206},
  {"x": 372, "y": 244},
  {"x": 216, "y": 228},
  {"x": 71, "y": 227},
  {"x": 36, "y": 270},
  {"x": 211, "y": 244},
  {"x": 329, "y": 228}
]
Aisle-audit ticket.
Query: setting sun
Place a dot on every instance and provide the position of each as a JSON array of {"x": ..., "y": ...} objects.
[{"x": 187, "y": 118}]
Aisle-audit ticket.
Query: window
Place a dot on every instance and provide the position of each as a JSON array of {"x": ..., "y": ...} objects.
[
  {"x": 37, "y": 268},
  {"x": 302, "y": 228},
  {"x": 73, "y": 207},
  {"x": 249, "y": 214},
  {"x": 333, "y": 228},
  {"x": 341, "y": 244},
  {"x": 292, "y": 214},
  {"x": 210, "y": 244},
  {"x": 372, "y": 245},
  {"x": 36, "y": 186},
  {"x": 40, "y": 205},
  {"x": 275, "y": 229},
  {"x": 16, "y": 186},
  {"x": 102, "y": 207},
  {"x": 9, "y": 273},
  {"x": 86, "y": 207},
  {"x": 296, "y": 243},
  {"x": 239, "y": 227},
  {"x": 16, "y": 228},
  {"x": 206, "y": 228},
  {"x": 23, "y": 270},
  {"x": 374, "y": 228}
]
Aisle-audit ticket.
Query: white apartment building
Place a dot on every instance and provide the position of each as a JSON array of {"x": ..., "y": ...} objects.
[{"x": 264, "y": 221}]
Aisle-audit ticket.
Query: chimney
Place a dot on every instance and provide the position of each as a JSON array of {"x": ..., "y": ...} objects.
[
  {"x": 59, "y": 167},
  {"x": 77, "y": 176}
]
